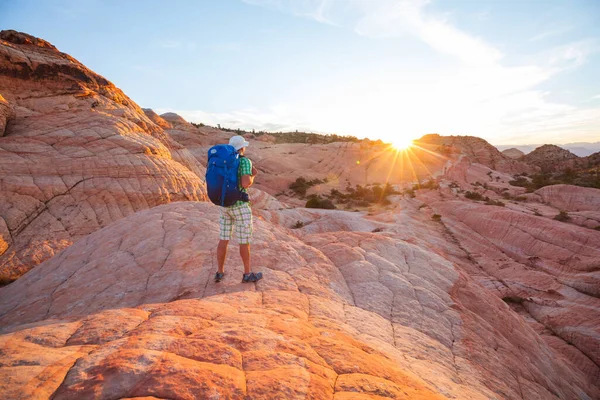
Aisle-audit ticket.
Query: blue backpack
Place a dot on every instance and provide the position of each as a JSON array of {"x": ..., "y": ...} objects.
[{"x": 222, "y": 176}]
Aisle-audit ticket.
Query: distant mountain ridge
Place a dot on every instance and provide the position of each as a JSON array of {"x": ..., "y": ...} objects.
[{"x": 581, "y": 149}]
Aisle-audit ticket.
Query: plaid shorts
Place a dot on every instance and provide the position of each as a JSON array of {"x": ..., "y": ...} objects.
[{"x": 239, "y": 215}]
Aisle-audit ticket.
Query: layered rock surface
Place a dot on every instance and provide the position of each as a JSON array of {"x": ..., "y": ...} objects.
[
  {"x": 77, "y": 155},
  {"x": 546, "y": 269},
  {"x": 339, "y": 315}
]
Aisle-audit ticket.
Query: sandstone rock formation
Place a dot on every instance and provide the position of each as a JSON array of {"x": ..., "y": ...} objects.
[
  {"x": 551, "y": 158},
  {"x": 342, "y": 315},
  {"x": 6, "y": 113},
  {"x": 78, "y": 155},
  {"x": 568, "y": 197},
  {"x": 477, "y": 150},
  {"x": 513, "y": 153},
  {"x": 547, "y": 269},
  {"x": 157, "y": 119}
]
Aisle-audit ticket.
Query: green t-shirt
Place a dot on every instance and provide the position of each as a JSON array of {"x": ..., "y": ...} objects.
[{"x": 245, "y": 168}]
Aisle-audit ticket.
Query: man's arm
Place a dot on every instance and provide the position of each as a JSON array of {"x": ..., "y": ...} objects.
[{"x": 248, "y": 179}]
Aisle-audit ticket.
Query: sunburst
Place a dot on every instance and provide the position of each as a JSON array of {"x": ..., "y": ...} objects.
[{"x": 402, "y": 144}]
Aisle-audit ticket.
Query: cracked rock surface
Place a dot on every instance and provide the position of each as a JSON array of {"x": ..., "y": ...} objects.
[{"x": 132, "y": 310}]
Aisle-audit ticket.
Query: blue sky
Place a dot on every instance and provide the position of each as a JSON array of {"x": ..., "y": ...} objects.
[{"x": 508, "y": 71}]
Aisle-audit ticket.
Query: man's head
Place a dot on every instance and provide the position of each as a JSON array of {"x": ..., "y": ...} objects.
[{"x": 238, "y": 143}]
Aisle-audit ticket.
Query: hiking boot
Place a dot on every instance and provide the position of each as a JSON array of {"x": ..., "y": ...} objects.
[
  {"x": 219, "y": 276},
  {"x": 252, "y": 277}
]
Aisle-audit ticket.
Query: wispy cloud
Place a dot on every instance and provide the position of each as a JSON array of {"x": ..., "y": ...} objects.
[
  {"x": 550, "y": 33},
  {"x": 396, "y": 18},
  {"x": 482, "y": 95}
]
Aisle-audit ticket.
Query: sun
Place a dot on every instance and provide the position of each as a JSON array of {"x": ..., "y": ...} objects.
[{"x": 402, "y": 143}]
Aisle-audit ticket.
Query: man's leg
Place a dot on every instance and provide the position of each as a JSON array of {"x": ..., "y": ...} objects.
[
  {"x": 244, "y": 234},
  {"x": 222, "y": 254},
  {"x": 245, "y": 254},
  {"x": 225, "y": 229}
]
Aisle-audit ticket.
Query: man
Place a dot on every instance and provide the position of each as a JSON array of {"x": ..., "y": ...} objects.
[{"x": 238, "y": 215}]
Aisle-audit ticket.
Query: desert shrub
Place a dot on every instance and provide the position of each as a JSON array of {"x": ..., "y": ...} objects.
[
  {"x": 436, "y": 217},
  {"x": 318, "y": 202},
  {"x": 562, "y": 216},
  {"x": 298, "y": 225},
  {"x": 513, "y": 299},
  {"x": 597, "y": 228},
  {"x": 491, "y": 202},
  {"x": 377, "y": 230},
  {"x": 430, "y": 184},
  {"x": 473, "y": 195},
  {"x": 301, "y": 185},
  {"x": 389, "y": 189},
  {"x": 520, "y": 181},
  {"x": 410, "y": 193}
]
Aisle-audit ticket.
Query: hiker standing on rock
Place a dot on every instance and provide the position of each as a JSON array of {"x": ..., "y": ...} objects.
[{"x": 229, "y": 174}]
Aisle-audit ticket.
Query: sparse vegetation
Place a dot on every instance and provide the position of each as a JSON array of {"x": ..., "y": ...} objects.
[
  {"x": 491, "y": 202},
  {"x": 298, "y": 225},
  {"x": 377, "y": 230},
  {"x": 363, "y": 196},
  {"x": 436, "y": 217},
  {"x": 301, "y": 185},
  {"x": 431, "y": 184},
  {"x": 473, "y": 195},
  {"x": 316, "y": 201},
  {"x": 295, "y": 137},
  {"x": 585, "y": 178},
  {"x": 562, "y": 216}
]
